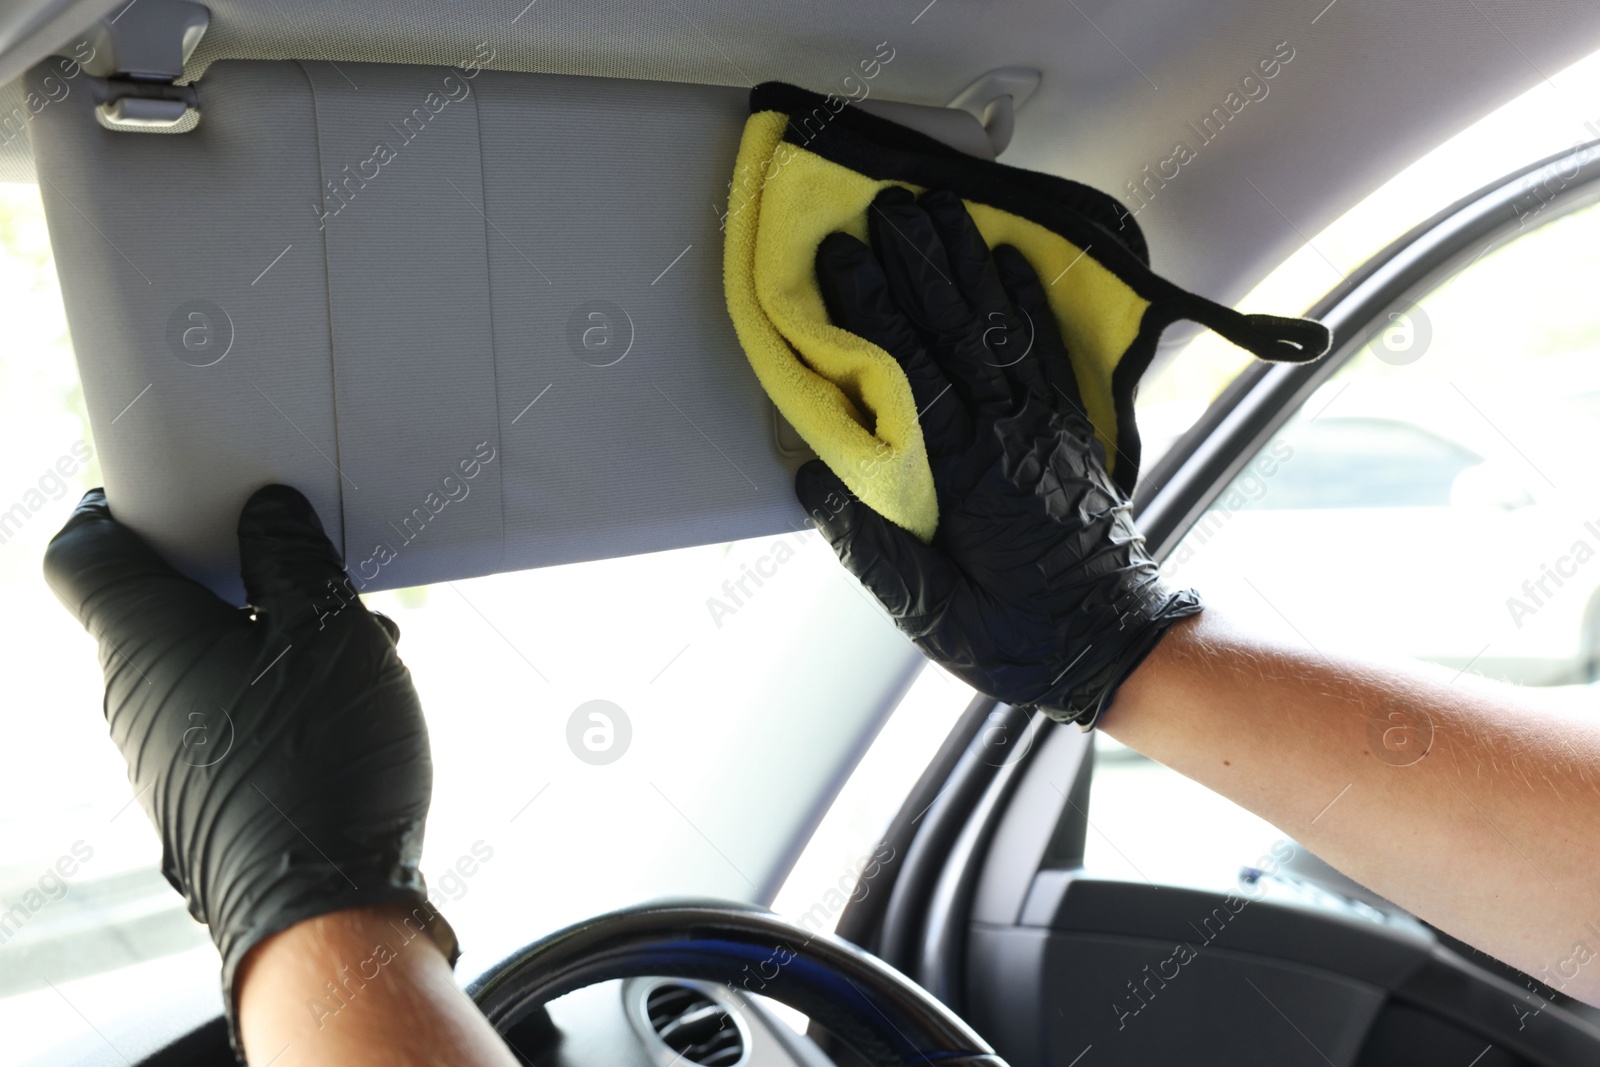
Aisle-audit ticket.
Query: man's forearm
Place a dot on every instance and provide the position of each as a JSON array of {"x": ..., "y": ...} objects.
[
  {"x": 355, "y": 987},
  {"x": 1475, "y": 805}
]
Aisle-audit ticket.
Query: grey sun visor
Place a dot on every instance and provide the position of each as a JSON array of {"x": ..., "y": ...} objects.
[{"x": 477, "y": 317}]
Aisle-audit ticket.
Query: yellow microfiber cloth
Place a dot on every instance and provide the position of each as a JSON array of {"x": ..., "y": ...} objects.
[{"x": 809, "y": 166}]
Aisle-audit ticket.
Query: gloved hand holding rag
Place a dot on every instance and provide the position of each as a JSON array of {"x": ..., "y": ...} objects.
[
  {"x": 974, "y": 425},
  {"x": 1036, "y": 587}
]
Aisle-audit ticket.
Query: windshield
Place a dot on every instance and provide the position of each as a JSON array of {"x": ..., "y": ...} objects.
[{"x": 602, "y": 733}]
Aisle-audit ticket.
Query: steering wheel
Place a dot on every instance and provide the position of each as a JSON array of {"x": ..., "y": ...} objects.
[{"x": 874, "y": 1009}]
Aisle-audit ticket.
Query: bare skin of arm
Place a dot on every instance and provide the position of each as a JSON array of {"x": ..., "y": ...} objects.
[
  {"x": 409, "y": 1013},
  {"x": 1475, "y": 805}
]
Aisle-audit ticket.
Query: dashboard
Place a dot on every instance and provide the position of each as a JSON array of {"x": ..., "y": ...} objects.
[
  {"x": 633, "y": 1022},
  {"x": 663, "y": 1022}
]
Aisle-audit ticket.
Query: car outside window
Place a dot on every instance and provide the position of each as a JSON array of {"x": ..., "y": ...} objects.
[
  {"x": 1358, "y": 463},
  {"x": 1435, "y": 500}
]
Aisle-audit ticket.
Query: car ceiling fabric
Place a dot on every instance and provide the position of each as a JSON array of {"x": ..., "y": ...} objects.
[{"x": 1369, "y": 90}]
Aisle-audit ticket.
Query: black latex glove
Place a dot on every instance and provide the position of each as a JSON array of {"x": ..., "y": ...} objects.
[
  {"x": 1037, "y": 588},
  {"x": 282, "y": 758}
]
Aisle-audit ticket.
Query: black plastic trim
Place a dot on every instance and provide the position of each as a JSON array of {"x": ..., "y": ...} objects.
[
  {"x": 861, "y": 921},
  {"x": 942, "y": 954},
  {"x": 901, "y": 934}
]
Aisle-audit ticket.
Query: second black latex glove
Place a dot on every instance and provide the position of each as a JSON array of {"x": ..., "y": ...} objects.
[
  {"x": 282, "y": 758},
  {"x": 1037, "y": 588}
]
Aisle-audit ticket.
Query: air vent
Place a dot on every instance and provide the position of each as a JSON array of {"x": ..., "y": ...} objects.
[{"x": 694, "y": 1026}]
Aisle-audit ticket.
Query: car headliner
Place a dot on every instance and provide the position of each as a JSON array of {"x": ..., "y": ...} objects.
[{"x": 1370, "y": 89}]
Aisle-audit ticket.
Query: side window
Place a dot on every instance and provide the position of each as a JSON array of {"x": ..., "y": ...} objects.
[
  {"x": 1355, "y": 462},
  {"x": 1436, "y": 499}
]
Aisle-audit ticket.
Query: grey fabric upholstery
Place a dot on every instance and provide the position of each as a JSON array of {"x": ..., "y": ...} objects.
[{"x": 386, "y": 334}]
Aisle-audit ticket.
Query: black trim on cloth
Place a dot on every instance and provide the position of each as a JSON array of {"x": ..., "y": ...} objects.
[
  {"x": 886, "y": 151},
  {"x": 1100, "y": 207},
  {"x": 1125, "y": 389}
]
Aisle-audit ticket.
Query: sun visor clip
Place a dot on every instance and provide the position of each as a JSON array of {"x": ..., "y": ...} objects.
[
  {"x": 136, "y": 57},
  {"x": 994, "y": 99}
]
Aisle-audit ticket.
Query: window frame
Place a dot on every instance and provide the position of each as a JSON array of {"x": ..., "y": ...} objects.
[{"x": 1181, "y": 486}]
